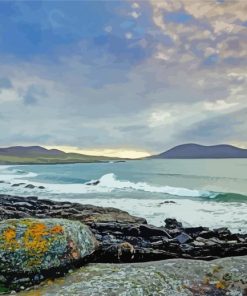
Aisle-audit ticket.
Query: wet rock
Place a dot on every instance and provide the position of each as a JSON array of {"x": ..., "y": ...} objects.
[
  {"x": 30, "y": 186},
  {"x": 149, "y": 230},
  {"x": 17, "y": 184},
  {"x": 172, "y": 223},
  {"x": 207, "y": 234},
  {"x": 113, "y": 227},
  {"x": 183, "y": 238},
  {"x": 195, "y": 231},
  {"x": 93, "y": 183},
  {"x": 167, "y": 202},
  {"x": 74, "y": 211}
]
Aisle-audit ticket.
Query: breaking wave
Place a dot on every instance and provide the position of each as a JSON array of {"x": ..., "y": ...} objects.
[{"x": 110, "y": 183}]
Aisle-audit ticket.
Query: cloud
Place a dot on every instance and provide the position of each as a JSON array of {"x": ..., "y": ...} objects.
[
  {"x": 229, "y": 127},
  {"x": 5, "y": 83},
  {"x": 33, "y": 94},
  {"x": 219, "y": 105},
  {"x": 168, "y": 76}
]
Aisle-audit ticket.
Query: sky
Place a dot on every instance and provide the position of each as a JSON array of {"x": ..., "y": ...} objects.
[{"x": 123, "y": 78}]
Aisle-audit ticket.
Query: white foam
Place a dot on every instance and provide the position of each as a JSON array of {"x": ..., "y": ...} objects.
[
  {"x": 110, "y": 181},
  {"x": 189, "y": 212},
  {"x": 15, "y": 177}
]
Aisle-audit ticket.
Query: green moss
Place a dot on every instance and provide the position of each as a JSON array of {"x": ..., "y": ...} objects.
[{"x": 3, "y": 288}]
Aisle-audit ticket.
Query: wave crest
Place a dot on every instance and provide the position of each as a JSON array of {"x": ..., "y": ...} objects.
[{"x": 110, "y": 181}]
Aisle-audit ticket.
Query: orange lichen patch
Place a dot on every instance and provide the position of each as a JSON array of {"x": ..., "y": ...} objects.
[
  {"x": 32, "y": 236},
  {"x": 9, "y": 234},
  {"x": 34, "y": 240},
  {"x": 9, "y": 238},
  {"x": 220, "y": 285},
  {"x": 57, "y": 229}
]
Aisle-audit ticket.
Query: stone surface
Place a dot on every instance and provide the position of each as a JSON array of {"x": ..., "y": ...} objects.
[
  {"x": 32, "y": 248},
  {"x": 177, "y": 277},
  {"x": 10, "y": 207},
  {"x": 158, "y": 243},
  {"x": 114, "y": 228}
]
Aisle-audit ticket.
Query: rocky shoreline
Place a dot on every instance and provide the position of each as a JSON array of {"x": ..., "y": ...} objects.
[{"x": 121, "y": 238}]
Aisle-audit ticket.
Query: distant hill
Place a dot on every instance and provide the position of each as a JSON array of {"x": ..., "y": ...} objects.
[
  {"x": 41, "y": 155},
  {"x": 190, "y": 151}
]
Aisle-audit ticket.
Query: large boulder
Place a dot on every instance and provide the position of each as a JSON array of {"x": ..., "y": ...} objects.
[
  {"x": 36, "y": 248},
  {"x": 176, "y": 277}
]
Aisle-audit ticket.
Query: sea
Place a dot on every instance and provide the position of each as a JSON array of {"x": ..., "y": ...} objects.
[{"x": 206, "y": 192}]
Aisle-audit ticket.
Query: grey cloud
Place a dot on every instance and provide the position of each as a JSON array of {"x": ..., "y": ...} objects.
[
  {"x": 131, "y": 128},
  {"x": 5, "y": 83},
  {"x": 89, "y": 99},
  {"x": 33, "y": 94},
  {"x": 227, "y": 127}
]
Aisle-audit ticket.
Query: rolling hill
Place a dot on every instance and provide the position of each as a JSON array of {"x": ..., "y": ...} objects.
[
  {"x": 40, "y": 155},
  {"x": 190, "y": 151}
]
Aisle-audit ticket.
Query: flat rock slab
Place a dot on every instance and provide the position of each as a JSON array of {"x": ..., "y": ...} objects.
[
  {"x": 175, "y": 277},
  {"x": 14, "y": 207}
]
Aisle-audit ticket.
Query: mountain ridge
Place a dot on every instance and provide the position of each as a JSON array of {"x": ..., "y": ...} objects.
[
  {"x": 197, "y": 151},
  {"x": 41, "y": 155}
]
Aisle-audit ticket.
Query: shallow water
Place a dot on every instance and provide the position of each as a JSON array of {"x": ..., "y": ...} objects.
[{"x": 206, "y": 192}]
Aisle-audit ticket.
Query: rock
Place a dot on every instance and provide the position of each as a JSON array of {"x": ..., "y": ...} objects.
[
  {"x": 172, "y": 223},
  {"x": 195, "y": 231},
  {"x": 119, "y": 252},
  {"x": 46, "y": 208},
  {"x": 167, "y": 202},
  {"x": 113, "y": 227},
  {"x": 183, "y": 238},
  {"x": 176, "y": 277},
  {"x": 198, "y": 243},
  {"x": 150, "y": 230},
  {"x": 17, "y": 184},
  {"x": 207, "y": 234},
  {"x": 93, "y": 183},
  {"x": 30, "y": 186},
  {"x": 45, "y": 247},
  {"x": 41, "y": 187}
]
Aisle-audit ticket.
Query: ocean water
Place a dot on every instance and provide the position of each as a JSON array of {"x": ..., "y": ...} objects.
[{"x": 205, "y": 192}]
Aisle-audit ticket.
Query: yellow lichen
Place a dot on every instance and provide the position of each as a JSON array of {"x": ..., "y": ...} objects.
[
  {"x": 9, "y": 238},
  {"x": 34, "y": 240},
  {"x": 9, "y": 234}
]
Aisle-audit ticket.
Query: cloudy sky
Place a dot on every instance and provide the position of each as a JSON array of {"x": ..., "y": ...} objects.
[{"x": 123, "y": 77}]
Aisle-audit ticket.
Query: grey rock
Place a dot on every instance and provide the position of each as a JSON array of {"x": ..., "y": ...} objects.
[
  {"x": 176, "y": 277},
  {"x": 32, "y": 246},
  {"x": 183, "y": 238}
]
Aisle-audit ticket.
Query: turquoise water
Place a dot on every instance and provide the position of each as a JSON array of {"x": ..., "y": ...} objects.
[{"x": 208, "y": 192}]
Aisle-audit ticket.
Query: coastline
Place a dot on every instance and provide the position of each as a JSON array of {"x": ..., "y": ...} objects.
[{"x": 121, "y": 238}]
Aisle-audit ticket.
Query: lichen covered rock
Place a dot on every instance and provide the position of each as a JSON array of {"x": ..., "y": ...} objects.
[
  {"x": 36, "y": 246},
  {"x": 175, "y": 277}
]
